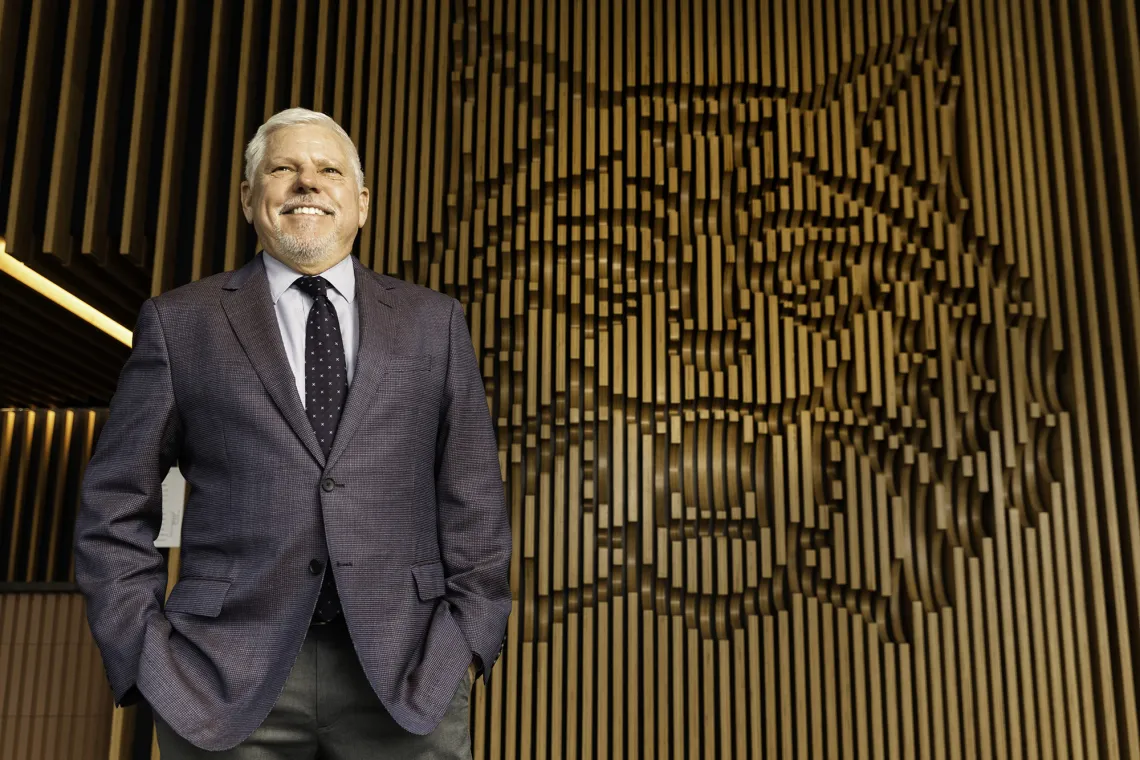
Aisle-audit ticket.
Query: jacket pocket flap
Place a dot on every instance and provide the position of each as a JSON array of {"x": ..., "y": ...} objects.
[
  {"x": 198, "y": 596},
  {"x": 429, "y": 580}
]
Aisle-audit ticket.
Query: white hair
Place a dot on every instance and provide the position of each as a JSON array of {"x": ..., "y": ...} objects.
[{"x": 291, "y": 117}]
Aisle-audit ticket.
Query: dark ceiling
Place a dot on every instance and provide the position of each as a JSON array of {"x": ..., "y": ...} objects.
[{"x": 51, "y": 358}]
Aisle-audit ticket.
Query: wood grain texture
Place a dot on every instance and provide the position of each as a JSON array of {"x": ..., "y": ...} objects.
[
  {"x": 811, "y": 333},
  {"x": 47, "y": 656}
]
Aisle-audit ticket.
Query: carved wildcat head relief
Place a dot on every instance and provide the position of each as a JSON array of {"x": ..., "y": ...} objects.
[{"x": 747, "y": 344}]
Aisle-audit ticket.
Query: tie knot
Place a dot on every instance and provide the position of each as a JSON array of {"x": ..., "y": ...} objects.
[{"x": 316, "y": 286}]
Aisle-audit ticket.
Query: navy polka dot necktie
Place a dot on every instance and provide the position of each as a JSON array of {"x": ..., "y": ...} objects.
[{"x": 326, "y": 385}]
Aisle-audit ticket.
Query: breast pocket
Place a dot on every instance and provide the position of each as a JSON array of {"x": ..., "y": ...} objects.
[
  {"x": 395, "y": 440},
  {"x": 406, "y": 389}
]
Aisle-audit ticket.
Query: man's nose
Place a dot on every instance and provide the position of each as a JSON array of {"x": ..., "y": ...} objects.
[{"x": 308, "y": 179}]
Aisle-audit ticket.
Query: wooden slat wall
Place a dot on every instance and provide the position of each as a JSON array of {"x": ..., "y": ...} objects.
[
  {"x": 54, "y": 701},
  {"x": 811, "y": 330},
  {"x": 43, "y": 454}
]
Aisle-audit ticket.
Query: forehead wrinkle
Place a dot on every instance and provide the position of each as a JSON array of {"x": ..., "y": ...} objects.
[
  {"x": 323, "y": 139},
  {"x": 317, "y": 159}
]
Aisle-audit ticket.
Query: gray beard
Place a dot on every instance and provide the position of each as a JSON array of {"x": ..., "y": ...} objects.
[{"x": 304, "y": 250}]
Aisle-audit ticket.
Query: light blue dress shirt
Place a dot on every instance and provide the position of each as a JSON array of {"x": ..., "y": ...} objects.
[{"x": 292, "y": 306}]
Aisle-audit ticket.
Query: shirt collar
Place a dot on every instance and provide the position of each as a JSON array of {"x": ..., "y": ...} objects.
[{"x": 282, "y": 276}]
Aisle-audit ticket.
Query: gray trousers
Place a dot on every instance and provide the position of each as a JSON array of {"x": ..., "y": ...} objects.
[{"x": 328, "y": 711}]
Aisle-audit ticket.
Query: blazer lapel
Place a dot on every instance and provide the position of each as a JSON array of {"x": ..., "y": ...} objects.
[
  {"x": 249, "y": 309},
  {"x": 376, "y": 309}
]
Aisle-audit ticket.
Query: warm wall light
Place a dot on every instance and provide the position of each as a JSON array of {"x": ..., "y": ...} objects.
[{"x": 49, "y": 289}]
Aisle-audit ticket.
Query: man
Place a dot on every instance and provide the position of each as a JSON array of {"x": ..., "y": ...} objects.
[{"x": 345, "y": 544}]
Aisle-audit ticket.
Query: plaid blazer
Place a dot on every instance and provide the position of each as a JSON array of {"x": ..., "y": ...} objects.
[{"x": 408, "y": 509}]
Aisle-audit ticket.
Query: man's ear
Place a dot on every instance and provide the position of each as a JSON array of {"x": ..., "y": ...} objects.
[
  {"x": 246, "y": 201},
  {"x": 362, "y": 206}
]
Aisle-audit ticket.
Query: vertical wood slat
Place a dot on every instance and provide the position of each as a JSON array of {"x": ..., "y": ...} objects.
[
  {"x": 301, "y": 67},
  {"x": 235, "y": 220},
  {"x": 83, "y": 734},
  {"x": 20, "y": 236},
  {"x": 19, "y": 490},
  {"x": 38, "y": 659},
  {"x": 47, "y": 710},
  {"x": 43, "y": 466},
  {"x": 56, "y": 668},
  {"x": 391, "y": 212},
  {"x": 96, "y": 235},
  {"x": 362, "y": 29},
  {"x": 88, "y": 435},
  {"x": 435, "y": 35},
  {"x": 10, "y": 11},
  {"x": 420, "y": 94},
  {"x": 321, "y": 66},
  {"x": 9, "y": 657},
  {"x": 273, "y": 56},
  {"x": 63, "y": 459},
  {"x": 341, "y": 66},
  {"x": 491, "y": 147},
  {"x": 1125, "y": 93},
  {"x": 7, "y": 440},
  {"x": 375, "y": 146},
  {"x": 69, "y": 122},
  {"x": 173, "y": 142},
  {"x": 21, "y": 679},
  {"x": 133, "y": 236},
  {"x": 205, "y": 204}
]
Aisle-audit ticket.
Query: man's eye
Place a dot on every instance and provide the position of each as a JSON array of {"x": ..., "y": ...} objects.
[
  {"x": 280, "y": 169},
  {"x": 332, "y": 169}
]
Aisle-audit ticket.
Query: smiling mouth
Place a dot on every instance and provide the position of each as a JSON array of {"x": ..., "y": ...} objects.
[{"x": 306, "y": 211}]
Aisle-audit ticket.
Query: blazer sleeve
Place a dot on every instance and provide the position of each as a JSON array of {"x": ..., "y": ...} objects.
[
  {"x": 118, "y": 569},
  {"x": 474, "y": 530}
]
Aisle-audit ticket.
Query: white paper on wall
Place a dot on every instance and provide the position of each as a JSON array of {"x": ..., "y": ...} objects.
[{"x": 173, "y": 500}]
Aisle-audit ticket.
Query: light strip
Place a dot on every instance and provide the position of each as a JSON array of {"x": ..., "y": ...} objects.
[{"x": 72, "y": 303}]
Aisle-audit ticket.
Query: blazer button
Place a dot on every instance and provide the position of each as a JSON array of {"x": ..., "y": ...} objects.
[
  {"x": 328, "y": 484},
  {"x": 316, "y": 567}
]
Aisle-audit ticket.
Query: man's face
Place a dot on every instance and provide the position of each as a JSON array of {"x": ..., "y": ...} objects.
[{"x": 304, "y": 202}]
